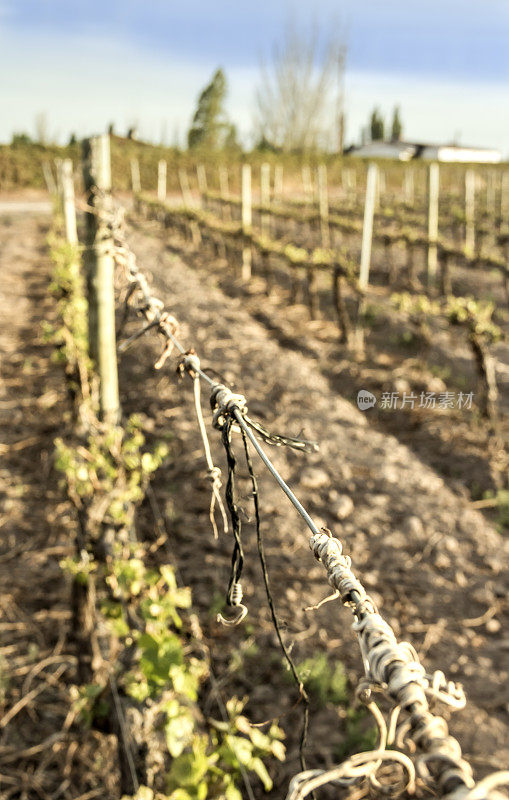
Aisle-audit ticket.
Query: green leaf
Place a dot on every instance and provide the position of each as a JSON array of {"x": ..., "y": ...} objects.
[
  {"x": 179, "y": 732},
  {"x": 188, "y": 770}
]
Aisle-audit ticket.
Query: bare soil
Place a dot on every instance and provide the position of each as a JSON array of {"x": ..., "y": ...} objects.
[
  {"x": 433, "y": 563},
  {"x": 436, "y": 566},
  {"x": 42, "y": 754}
]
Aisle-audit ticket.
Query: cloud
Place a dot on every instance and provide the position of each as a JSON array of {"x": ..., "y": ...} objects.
[{"x": 88, "y": 79}]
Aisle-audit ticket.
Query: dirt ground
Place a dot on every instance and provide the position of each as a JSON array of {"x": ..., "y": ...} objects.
[
  {"x": 41, "y": 754},
  {"x": 436, "y": 566}
]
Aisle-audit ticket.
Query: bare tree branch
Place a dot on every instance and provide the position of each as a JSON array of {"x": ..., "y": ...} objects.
[{"x": 299, "y": 100}]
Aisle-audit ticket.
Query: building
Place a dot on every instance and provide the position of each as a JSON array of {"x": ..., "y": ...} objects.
[{"x": 407, "y": 151}]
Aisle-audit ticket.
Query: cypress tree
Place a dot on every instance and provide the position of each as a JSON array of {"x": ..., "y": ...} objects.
[
  {"x": 210, "y": 129},
  {"x": 397, "y": 127},
  {"x": 377, "y": 127}
]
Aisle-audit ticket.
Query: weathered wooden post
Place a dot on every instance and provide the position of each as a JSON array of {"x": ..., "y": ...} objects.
[
  {"x": 348, "y": 180},
  {"x": 491, "y": 192},
  {"x": 58, "y": 197},
  {"x": 224, "y": 192},
  {"x": 382, "y": 187},
  {"x": 367, "y": 238},
  {"x": 68, "y": 205},
  {"x": 367, "y": 228},
  {"x": 433, "y": 197},
  {"x": 135, "y": 176},
  {"x": 353, "y": 179},
  {"x": 265, "y": 195},
  {"x": 278, "y": 181},
  {"x": 265, "y": 185},
  {"x": 307, "y": 182},
  {"x": 184, "y": 188},
  {"x": 161, "y": 180},
  {"x": 247, "y": 219},
  {"x": 201, "y": 177},
  {"x": 504, "y": 197},
  {"x": 224, "y": 187},
  {"x": 470, "y": 180},
  {"x": 99, "y": 268},
  {"x": 49, "y": 179},
  {"x": 323, "y": 205},
  {"x": 409, "y": 186}
]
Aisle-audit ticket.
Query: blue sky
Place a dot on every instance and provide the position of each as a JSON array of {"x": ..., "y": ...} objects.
[{"x": 87, "y": 63}]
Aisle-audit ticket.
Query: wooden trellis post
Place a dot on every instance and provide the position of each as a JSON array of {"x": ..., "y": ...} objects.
[
  {"x": 184, "y": 188},
  {"x": 367, "y": 238},
  {"x": 504, "y": 197},
  {"x": 224, "y": 186},
  {"x": 367, "y": 228},
  {"x": 135, "y": 176},
  {"x": 278, "y": 181},
  {"x": 323, "y": 204},
  {"x": 307, "y": 182},
  {"x": 224, "y": 192},
  {"x": 382, "y": 186},
  {"x": 161, "y": 180},
  {"x": 470, "y": 180},
  {"x": 58, "y": 173},
  {"x": 247, "y": 219},
  {"x": 491, "y": 191},
  {"x": 49, "y": 179},
  {"x": 201, "y": 177},
  {"x": 68, "y": 204},
  {"x": 99, "y": 268},
  {"x": 265, "y": 195},
  {"x": 349, "y": 180},
  {"x": 433, "y": 197},
  {"x": 409, "y": 186}
]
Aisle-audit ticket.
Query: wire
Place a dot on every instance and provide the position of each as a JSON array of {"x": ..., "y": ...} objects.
[
  {"x": 261, "y": 553},
  {"x": 275, "y": 474}
]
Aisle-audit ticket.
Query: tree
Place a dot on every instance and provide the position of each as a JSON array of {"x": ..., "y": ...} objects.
[
  {"x": 295, "y": 109},
  {"x": 21, "y": 139},
  {"x": 377, "y": 126},
  {"x": 210, "y": 128},
  {"x": 397, "y": 127}
]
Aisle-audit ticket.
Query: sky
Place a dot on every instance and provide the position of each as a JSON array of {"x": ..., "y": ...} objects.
[{"x": 86, "y": 64}]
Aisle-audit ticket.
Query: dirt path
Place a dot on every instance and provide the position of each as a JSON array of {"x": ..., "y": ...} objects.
[
  {"x": 431, "y": 562},
  {"x": 40, "y": 757}
]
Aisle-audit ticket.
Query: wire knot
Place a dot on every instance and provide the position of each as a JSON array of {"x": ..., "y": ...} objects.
[
  {"x": 189, "y": 363},
  {"x": 214, "y": 475},
  {"x": 223, "y": 401},
  {"x": 168, "y": 324},
  {"x": 234, "y": 600}
]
